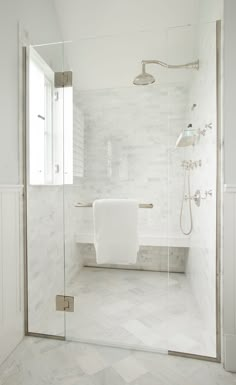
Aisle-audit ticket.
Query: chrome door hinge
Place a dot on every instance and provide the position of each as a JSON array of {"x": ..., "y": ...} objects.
[
  {"x": 64, "y": 303},
  {"x": 63, "y": 79}
]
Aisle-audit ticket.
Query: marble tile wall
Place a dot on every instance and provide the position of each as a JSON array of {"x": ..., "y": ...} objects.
[
  {"x": 151, "y": 258},
  {"x": 126, "y": 148},
  {"x": 201, "y": 265},
  {"x": 128, "y": 136},
  {"x": 127, "y": 141},
  {"x": 45, "y": 235}
]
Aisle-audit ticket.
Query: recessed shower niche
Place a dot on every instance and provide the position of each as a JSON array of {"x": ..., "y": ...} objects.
[{"x": 96, "y": 133}]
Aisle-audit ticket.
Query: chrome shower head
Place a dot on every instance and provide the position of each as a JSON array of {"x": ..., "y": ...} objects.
[{"x": 144, "y": 78}]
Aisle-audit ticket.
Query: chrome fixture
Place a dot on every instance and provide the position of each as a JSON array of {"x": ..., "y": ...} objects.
[
  {"x": 63, "y": 79},
  {"x": 187, "y": 137},
  {"x": 64, "y": 303},
  {"x": 141, "y": 205},
  {"x": 190, "y": 164},
  {"x": 207, "y": 127},
  {"x": 145, "y": 78},
  {"x": 190, "y": 136},
  {"x": 197, "y": 197}
]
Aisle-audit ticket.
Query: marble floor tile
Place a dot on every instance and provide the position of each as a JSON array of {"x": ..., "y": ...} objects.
[
  {"x": 39, "y": 361},
  {"x": 134, "y": 308},
  {"x": 108, "y": 376},
  {"x": 146, "y": 379},
  {"x": 91, "y": 362},
  {"x": 129, "y": 369}
]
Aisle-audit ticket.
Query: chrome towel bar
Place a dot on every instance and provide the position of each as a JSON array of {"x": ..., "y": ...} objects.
[{"x": 141, "y": 205}]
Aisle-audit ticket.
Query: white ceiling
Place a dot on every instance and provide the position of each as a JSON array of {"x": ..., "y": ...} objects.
[{"x": 89, "y": 18}]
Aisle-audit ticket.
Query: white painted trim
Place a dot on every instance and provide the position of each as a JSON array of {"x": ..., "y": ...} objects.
[
  {"x": 229, "y": 280},
  {"x": 11, "y": 187},
  {"x": 11, "y": 277},
  {"x": 23, "y": 41},
  {"x": 230, "y": 352},
  {"x": 230, "y": 188}
]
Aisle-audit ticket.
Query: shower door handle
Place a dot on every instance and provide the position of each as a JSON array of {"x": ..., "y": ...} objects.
[{"x": 41, "y": 117}]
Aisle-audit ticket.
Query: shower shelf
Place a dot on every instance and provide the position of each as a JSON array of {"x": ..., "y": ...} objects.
[{"x": 144, "y": 240}]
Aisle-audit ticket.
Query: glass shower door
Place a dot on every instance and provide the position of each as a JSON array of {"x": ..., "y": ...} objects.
[
  {"x": 44, "y": 189},
  {"x": 120, "y": 138},
  {"x": 193, "y": 134}
]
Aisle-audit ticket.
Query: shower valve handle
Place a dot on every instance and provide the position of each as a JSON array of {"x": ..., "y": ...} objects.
[{"x": 197, "y": 197}]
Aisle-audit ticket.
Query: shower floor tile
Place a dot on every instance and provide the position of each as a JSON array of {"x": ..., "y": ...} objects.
[{"x": 139, "y": 309}]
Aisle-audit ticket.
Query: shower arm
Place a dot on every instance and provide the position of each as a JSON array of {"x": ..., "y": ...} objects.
[{"x": 192, "y": 65}]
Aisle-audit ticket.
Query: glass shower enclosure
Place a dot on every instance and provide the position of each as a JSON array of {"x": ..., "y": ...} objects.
[{"x": 92, "y": 134}]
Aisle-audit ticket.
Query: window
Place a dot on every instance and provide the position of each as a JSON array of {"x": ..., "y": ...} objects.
[{"x": 50, "y": 126}]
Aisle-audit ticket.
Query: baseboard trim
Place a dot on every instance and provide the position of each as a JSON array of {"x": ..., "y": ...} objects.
[{"x": 230, "y": 352}]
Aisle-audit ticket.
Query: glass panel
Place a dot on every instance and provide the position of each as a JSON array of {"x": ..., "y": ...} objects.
[
  {"x": 192, "y": 173},
  {"x": 124, "y": 146},
  {"x": 120, "y": 141},
  {"x": 45, "y": 227}
]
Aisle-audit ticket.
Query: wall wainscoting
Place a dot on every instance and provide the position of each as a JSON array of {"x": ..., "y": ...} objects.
[
  {"x": 11, "y": 269},
  {"x": 229, "y": 284}
]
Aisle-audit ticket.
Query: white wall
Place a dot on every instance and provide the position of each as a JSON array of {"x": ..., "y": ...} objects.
[
  {"x": 210, "y": 10},
  {"x": 229, "y": 91},
  {"x": 229, "y": 117},
  {"x": 39, "y": 19}
]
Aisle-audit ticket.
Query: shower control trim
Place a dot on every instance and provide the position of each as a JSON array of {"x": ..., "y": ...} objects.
[
  {"x": 198, "y": 196},
  {"x": 191, "y": 164},
  {"x": 204, "y": 131}
]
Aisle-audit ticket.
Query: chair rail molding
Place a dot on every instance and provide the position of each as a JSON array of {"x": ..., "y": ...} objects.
[
  {"x": 11, "y": 269},
  {"x": 230, "y": 188}
]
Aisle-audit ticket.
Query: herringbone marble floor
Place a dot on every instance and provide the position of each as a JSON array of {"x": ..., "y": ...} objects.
[
  {"x": 48, "y": 362},
  {"x": 143, "y": 309}
]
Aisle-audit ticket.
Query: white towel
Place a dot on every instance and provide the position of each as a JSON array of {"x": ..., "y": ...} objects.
[{"x": 116, "y": 231}]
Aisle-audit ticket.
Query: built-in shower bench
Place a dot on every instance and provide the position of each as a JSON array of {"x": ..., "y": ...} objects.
[{"x": 155, "y": 253}]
